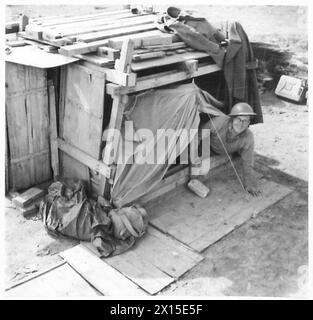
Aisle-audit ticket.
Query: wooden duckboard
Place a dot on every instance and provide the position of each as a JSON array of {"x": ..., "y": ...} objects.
[
  {"x": 60, "y": 282},
  {"x": 199, "y": 223},
  {"x": 103, "y": 277},
  {"x": 153, "y": 263}
]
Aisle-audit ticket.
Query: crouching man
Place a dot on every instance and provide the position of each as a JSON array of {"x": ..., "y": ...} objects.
[{"x": 231, "y": 133}]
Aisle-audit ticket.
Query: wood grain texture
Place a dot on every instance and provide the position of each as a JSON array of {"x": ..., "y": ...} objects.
[
  {"x": 103, "y": 277},
  {"x": 27, "y": 116},
  {"x": 84, "y": 104},
  {"x": 160, "y": 79},
  {"x": 95, "y": 36},
  {"x": 53, "y": 132},
  {"x": 200, "y": 222},
  {"x": 62, "y": 282},
  {"x": 176, "y": 58}
]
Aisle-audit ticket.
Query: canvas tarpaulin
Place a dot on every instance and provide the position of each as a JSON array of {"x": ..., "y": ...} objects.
[{"x": 144, "y": 157}]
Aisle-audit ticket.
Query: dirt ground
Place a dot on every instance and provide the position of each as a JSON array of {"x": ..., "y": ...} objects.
[{"x": 268, "y": 255}]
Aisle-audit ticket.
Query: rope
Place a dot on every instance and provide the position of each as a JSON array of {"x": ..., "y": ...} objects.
[{"x": 229, "y": 158}]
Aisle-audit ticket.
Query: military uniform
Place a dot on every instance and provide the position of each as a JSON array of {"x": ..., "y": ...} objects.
[{"x": 243, "y": 144}]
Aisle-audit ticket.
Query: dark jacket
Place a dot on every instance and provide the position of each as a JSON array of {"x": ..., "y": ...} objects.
[{"x": 239, "y": 72}]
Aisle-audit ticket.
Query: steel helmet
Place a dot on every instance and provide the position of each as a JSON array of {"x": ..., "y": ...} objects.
[{"x": 242, "y": 109}]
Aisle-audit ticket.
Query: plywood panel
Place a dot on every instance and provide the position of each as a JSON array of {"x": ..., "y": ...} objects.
[
  {"x": 160, "y": 250},
  {"x": 103, "y": 277},
  {"x": 62, "y": 282},
  {"x": 135, "y": 267},
  {"x": 167, "y": 254},
  {"x": 200, "y": 222},
  {"x": 83, "y": 115},
  {"x": 20, "y": 78}
]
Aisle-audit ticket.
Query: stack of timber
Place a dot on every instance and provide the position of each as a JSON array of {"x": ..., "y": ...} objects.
[{"x": 98, "y": 39}]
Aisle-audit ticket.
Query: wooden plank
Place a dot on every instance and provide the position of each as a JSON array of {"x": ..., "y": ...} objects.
[
  {"x": 95, "y": 59},
  {"x": 165, "y": 253},
  {"x": 71, "y": 26},
  {"x": 162, "y": 251},
  {"x": 148, "y": 55},
  {"x": 207, "y": 220},
  {"x": 60, "y": 282},
  {"x": 66, "y": 16},
  {"x": 21, "y": 78},
  {"x": 61, "y": 21},
  {"x": 84, "y": 104},
  {"x": 62, "y": 98},
  {"x": 155, "y": 37},
  {"x": 28, "y": 125},
  {"x": 172, "y": 46},
  {"x": 38, "y": 134},
  {"x": 31, "y": 138},
  {"x": 95, "y": 36},
  {"x": 176, "y": 58},
  {"x": 33, "y": 32},
  {"x": 7, "y": 156},
  {"x": 100, "y": 21},
  {"x": 95, "y": 26},
  {"x": 108, "y": 52},
  {"x": 53, "y": 132},
  {"x": 81, "y": 48},
  {"x": 84, "y": 158},
  {"x": 123, "y": 63},
  {"x": 32, "y": 276},
  {"x": 102, "y": 276},
  {"x": 117, "y": 77},
  {"x": 27, "y": 197},
  {"x": 160, "y": 79},
  {"x": 112, "y": 139},
  {"x": 140, "y": 271}
]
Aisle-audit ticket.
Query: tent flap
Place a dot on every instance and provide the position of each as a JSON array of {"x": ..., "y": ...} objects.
[{"x": 163, "y": 122}]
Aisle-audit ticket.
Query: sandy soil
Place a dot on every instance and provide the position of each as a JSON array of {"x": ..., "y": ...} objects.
[{"x": 268, "y": 255}]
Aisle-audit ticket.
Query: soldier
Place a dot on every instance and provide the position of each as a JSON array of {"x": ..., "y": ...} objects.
[{"x": 230, "y": 134}]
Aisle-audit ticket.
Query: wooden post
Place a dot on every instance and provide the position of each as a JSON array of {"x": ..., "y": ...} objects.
[
  {"x": 110, "y": 152},
  {"x": 62, "y": 98},
  {"x": 123, "y": 63},
  {"x": 7, "y": 183},
  {"x": 53, "y": 131}
]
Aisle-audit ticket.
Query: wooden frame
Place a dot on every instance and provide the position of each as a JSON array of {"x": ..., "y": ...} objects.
[
  {"x": 118, "y": 63},
  {"x": 119, "y": 83}
]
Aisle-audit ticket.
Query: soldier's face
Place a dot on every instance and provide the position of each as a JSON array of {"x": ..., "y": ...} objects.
[{"x": 241, "y": 123}]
